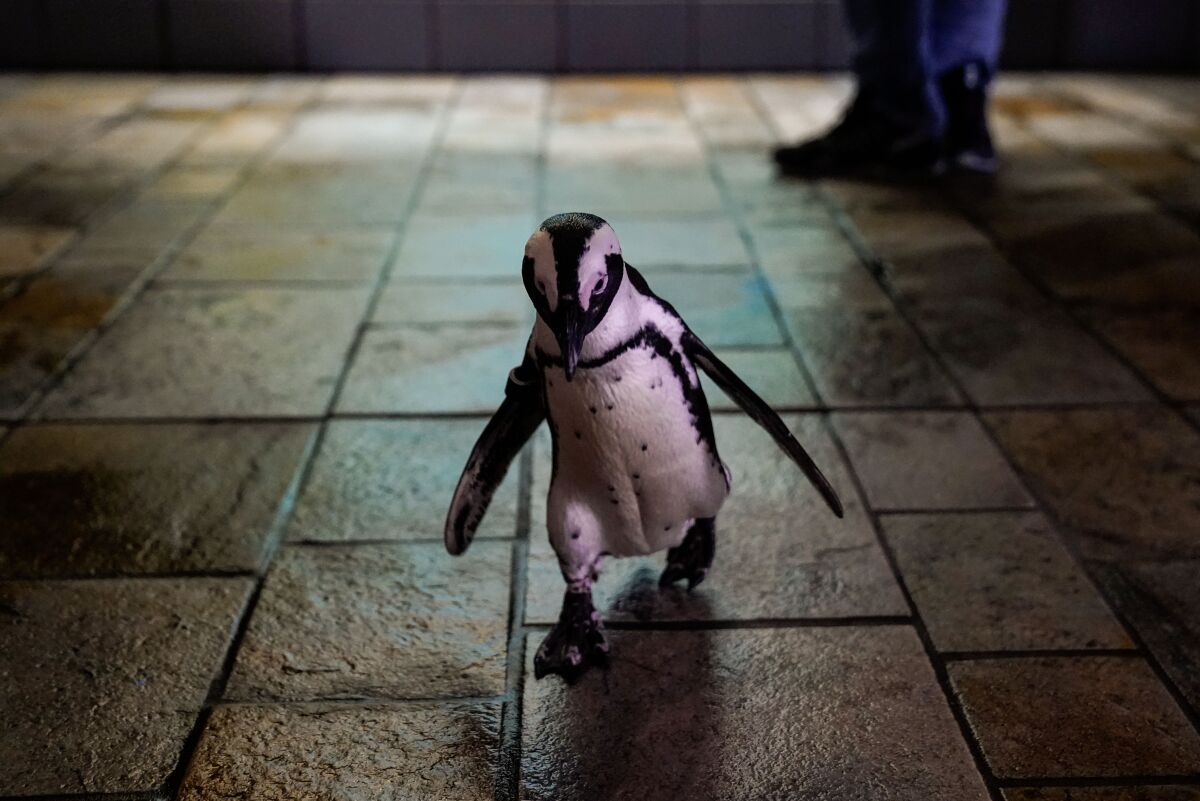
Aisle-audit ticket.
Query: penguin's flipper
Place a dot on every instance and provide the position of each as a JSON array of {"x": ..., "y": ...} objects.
[
  {"x": 506, "y": 433},
  {"x": 761, "y": 413}
]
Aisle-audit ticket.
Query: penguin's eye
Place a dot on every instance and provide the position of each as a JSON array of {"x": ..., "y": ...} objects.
[{"x": 600, "y": 285}]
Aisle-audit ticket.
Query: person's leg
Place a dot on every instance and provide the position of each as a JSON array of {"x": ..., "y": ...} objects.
[
  {"x": 966, "y": 36},
  {"x": 893, "y": 60},
  {"x": 896, "y": 119}
]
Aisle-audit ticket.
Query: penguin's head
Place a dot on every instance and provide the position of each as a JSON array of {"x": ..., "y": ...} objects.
[{"x": 572, "y": 270}]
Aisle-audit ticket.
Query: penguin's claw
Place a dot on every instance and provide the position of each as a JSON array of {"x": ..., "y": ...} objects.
[
  {"x": 692, "y": 558},
  {"x": 575, "y": 643}
]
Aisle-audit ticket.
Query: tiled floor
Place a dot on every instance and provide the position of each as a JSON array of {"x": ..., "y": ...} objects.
[{"x": 249, "y": 328}]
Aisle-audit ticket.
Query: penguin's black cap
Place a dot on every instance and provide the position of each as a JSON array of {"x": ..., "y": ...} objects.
[{"x": 572, "y": 271}]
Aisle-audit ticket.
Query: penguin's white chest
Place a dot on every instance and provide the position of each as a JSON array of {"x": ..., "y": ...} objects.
[{"x": 633, "y": 463}]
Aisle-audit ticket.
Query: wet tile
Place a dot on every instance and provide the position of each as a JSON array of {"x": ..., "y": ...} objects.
[
  {"x": 378, "y": 621},
  {"x": 867, "y": 357},
  {"x": 1163, "y": 343},
  {"x": 357, "y": 136},
  {"x": 408, "y": 301},
  {"x": 138, "y": 143},
  {"x": 1007, "y": 354},
  {"x": 102, "y": 681},
  {"x": 25, "y": 249},
  {"x": 771, "y": 372},
  {"x": 60, "y": 197},
  {"x": 856, "y": 707},
  {"x": 780, "y": 552},
  {"x": 53, "y": 315},
  {"x": 311, "y": 752},
  {"x": 928, "y": 460},
  {"x": 463, "y": 247},
  {"x": 235, "y": 138},
  {"x": 724, "y": 309},
  {"x": 1076, "y": 716},
  {"x": 441, "y": 368},
  {"x": 393, "y": 480},
  {"x": 697, "y": 242},
  {"x": 182, "y": 352},
  {"x": 1123, "y": 482},
  {"x": 1139, "y": 793},
  {"x": 243, "y": 253},
  {"x": 998, "y": 581},
  {"x": 86, "y": 500},
  {"x": 1161, "y": 601}
]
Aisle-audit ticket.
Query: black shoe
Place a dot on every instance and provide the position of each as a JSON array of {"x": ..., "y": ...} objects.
[
  {"x": 968, "y": 141},
  {"x": 863, "y": 142}
]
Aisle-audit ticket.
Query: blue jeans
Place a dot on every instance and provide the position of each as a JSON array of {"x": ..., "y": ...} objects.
[{"x": 902, "y": 46}]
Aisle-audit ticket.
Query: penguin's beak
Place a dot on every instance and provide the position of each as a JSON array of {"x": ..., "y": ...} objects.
[{"x": 570, "y": 337}]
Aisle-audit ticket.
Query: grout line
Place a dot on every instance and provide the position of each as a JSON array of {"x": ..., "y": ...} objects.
[
  {"x": 138, "y": 286},
  {"x": 305, "y": 468},
  {"x": 843, "y": 220},
  {"x": 940, "y": 672},
  {"x": 1041, "y": 653}
]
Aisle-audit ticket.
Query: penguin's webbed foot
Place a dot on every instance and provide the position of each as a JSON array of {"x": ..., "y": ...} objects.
[
  {"x": 575, "y": 643},
  {"x": 692, "y": 558}
]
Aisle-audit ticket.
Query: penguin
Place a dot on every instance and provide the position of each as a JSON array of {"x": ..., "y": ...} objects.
[{"x": 613, "y": 370}]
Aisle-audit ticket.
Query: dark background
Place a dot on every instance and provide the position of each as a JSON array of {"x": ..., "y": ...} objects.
[{"x": 567, "y": 35}]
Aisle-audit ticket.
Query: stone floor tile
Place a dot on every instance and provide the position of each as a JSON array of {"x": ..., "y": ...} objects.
[
  {"x": 696, "y": 242},
  {"x": 363, "y": 135},
  {"x": 209, "y": 353},
  {"x": 928, "y": 460},
  {"x": 867, "y": 357},
  {"x": 998, "y": 581},
  {"x": 138, "y": 143},
  {"x": 84, "y": 500},
  {"x": 771, "y": 372},
  {"x": 144, "y": 229},
  {"x": 378, "y": 621},
  {"x": 58, "y": 197},
  {"x": 1134, "y": 258},
  {"x": 51, "y": 316},
  {"x": 463, "y": 247},
  {"x": 192, "y": 183},
  {"x": 322, "y": 195},
  {"x": 427, "y": 91},
  {"x": 235, "y": 138},
  {"x": 1138, "y": 793},
  {"x": 754, "y": 185},
  {"x": 442, "y": 368},
  {"x": 1124, "y": 483},
  {"x": 407, "y": 302},
  {"x": 25, "y": 249},
  {"x": 393, "y": 480},
  {"x": 254, "y": 253},
  {"x": 317, "y": 752},
  {"x": 1163, "y": 343},
  {"x": 1065, "y": 717},
  {"x": 459, "y": 183},
  {"x": 201, "y": 94},
  {"x": 780, "y": 552},
  {"x": 1006, "y": 354},
  {"x": 1161, "y": 601},
  {"x": 102, "y": 681},
  {"x": 724, "y": 309},
  {"x": 790, "y": 249},
  {"x": 851, "y": 289},
  {"x": 618, "y": 190},
  {"x": 709, "y": 715}
]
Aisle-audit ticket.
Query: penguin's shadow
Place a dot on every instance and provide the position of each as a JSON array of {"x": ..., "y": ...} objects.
[{"x": 644, "y": 726}]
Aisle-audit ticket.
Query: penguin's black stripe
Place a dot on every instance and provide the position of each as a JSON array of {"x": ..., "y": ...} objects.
[{"x": 650, "y": 336}]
